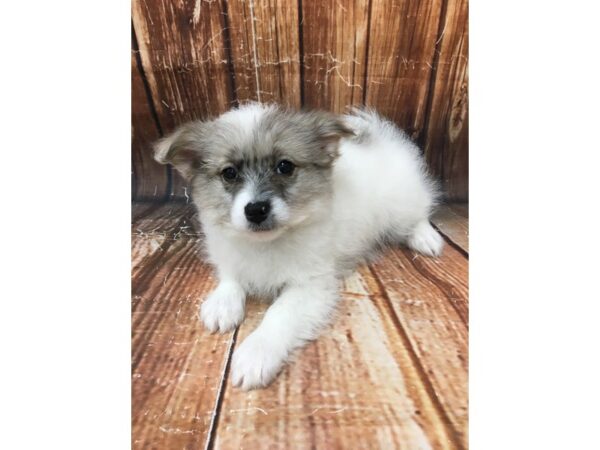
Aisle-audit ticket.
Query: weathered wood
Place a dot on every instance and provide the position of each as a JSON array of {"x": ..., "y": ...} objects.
[
  {"x": 177, "y": 366},
  {"x": 406, "y": 59},
  {"x": 265, "y": 50},
  {"x": 335, "y": 46},
  {"x": 141, "y": 209},
  {"x": 184, "y": 54},
  {"x": 172, "y": 219},
  {"x": 391, "y": 371},
  {"x": 447, "y": 134},
  {"x": 355, "y": 387},
  {"x": 149, "y": 178},
  {"x": 429, "y": 298},
  {"x": 453, "y": 223},
  {"x": 402, "y": 36},
  {"x": 461, "y": 209}
]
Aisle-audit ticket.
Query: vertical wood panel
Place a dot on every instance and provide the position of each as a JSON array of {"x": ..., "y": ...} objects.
[
  {"x": 149, "y": 178},
  {"x": 335, "y": 44},
  {"x": 183, "y": 51},
  {"x": 265, "y": 50},
  {"x": 447, "y": 138},
  {"x": 197, "y": 55},
  {"x": 400, "y": 57}
]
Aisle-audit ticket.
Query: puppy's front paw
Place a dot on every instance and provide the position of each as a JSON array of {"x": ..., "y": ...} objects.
[
  {"x": 425, "y": 239},
  {"x": 256, "y": 362},
  {"x": 223, "y": 310}
]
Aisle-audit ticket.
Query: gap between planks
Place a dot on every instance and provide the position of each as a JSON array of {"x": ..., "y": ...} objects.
[
  {"x": 212, "y": 431},
  {"x": 425, "y": 381},
  {"x": 214, "y": 420},
  {"x": 416, "y": 362},
  {"x": 452, "y": 223}
]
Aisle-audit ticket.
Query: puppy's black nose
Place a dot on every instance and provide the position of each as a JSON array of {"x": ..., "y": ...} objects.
[{"x": 257, "y": 212}]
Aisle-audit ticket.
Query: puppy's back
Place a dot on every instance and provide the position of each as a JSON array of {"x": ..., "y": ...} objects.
[{"x": 381, "y": 186}]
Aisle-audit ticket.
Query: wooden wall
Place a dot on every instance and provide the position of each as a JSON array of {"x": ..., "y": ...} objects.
[{"x": 197, "y": 58}]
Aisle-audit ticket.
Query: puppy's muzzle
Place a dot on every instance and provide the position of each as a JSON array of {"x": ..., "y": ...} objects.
[{"x": 257, "y": 212}]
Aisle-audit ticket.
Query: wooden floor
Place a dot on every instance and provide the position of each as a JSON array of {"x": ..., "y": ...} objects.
[{"x": 391, "y": 372}]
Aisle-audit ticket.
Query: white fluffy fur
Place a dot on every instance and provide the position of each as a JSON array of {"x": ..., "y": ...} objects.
[{"x": 380, "y": 191}]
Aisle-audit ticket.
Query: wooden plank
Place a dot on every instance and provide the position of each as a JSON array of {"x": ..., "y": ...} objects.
[
  {"x": 461, "y": 209},
  {"x": 402, "y": 36},
  {"x": 185, "y": 58},
  {"x": 451, "y": 221},
  {"x": 142, "y": 250},
  {"x": 149, "y": 178},
  {"x": 141, "y": 209},
  {"x": 177, "y": 367},
  {"x": 156, "y": 226},
  {"x": 335, "y": 47},
  {"x": 405, "y": 321},
  {"x": 429, "y": 298},
  {"x": 265, "y": 50},
  {"x": 172, "y": 219},
  {"x": 447, "y": 137},
  {"x": 354, "y": 387}
]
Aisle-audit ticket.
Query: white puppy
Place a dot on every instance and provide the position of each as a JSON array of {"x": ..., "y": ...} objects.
[{"x": 289, "y": 201}]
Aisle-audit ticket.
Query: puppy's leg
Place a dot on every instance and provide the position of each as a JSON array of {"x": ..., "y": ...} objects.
[
  {"x": 425, "y": 239},
  {"x": 223, "y": 309},
  {"x": 296, "y": 316}
]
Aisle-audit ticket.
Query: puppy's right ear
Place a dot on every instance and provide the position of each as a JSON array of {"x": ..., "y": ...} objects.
[{"x": 182, "y": 149}]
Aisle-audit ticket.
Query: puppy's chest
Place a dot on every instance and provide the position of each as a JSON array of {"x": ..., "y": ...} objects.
[{"x": 266, "y": 268}]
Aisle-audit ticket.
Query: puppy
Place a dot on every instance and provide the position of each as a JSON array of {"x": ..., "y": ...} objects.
[{"x": 289, "y": 202}]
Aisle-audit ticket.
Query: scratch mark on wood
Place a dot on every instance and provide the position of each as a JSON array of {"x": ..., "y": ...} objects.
[
  {"x": 196, "y": 13},
  {"x": 254, "y": 408},
  {"x": 254, "y": 51}
]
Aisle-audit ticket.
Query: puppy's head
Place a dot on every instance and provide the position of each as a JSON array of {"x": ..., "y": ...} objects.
[{"x": 258, "y": 170}]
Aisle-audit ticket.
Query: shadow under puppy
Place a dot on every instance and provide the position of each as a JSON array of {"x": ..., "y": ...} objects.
[{"x": 289, "y": 202}]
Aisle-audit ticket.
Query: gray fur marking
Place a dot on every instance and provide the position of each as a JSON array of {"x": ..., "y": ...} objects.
[{"x": 201, "y": 150}]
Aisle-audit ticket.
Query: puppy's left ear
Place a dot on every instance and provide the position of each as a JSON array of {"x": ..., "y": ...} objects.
[
  {"x": 182, "y": 149},
  {"x": 330, "y": 129}
]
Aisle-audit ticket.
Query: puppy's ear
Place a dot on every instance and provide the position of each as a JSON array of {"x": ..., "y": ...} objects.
[
  {"x": 182, "y": 148},
  {"x": 329, "y": 129}
]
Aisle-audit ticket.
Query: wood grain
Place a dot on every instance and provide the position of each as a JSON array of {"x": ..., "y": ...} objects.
[
  {"x": 185, "y": 58},
  {"x": 452, "y": 221},
  {"x": 447, "y": 135},
  {"x": 265, "y": 50},
  {"x": 141, "y": 209},
  {"x": 335, "y": 47},
  {"x": 429, "y": 299},
  {"x": 462, "y": 209},
  {"x": 177, "y": 367},
  {"x": 390, "y": 372},
  {"x": 355, "y": 387},
  {"x": 149, "y": 179},
  {"x": 406, "y": 59},
  {"x": 402, "y": 36},
  {"x": 172, "y": 219}
]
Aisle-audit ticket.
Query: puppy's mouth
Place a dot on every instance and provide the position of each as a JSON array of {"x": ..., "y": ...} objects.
[
  {"x": 263, "y": 227},
  {"x": 268, "y": 230}
]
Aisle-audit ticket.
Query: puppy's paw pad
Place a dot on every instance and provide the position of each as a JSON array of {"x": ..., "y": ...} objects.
[
  {"x": 223, "y": 310},
  {"x": 256, "y": 363},
  {"x": 426, "y": 240}
]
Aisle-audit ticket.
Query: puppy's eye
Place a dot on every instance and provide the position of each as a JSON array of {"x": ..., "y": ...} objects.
[
  {"x": 229, "y": 173},
  {"x": 285, "y": 167}
]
